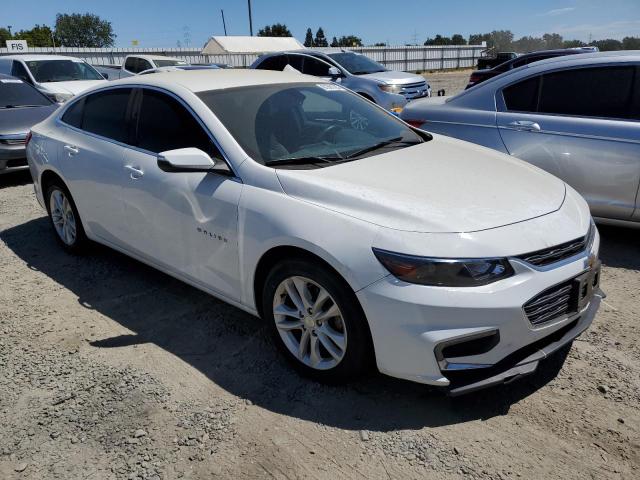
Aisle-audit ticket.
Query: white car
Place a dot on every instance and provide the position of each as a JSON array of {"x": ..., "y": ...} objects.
[
  {"x": 58, "y": 77},
  {"x": 356, "y": 237}
]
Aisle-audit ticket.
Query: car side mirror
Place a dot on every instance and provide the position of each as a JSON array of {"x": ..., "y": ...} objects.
[
  {"x": 334, "y": 72},
  {"x": 105, "y": 76},
  {"x": 185, "y": 160}
]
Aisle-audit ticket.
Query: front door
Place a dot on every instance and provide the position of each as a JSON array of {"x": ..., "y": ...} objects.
[{"x": 186, "y": 222}]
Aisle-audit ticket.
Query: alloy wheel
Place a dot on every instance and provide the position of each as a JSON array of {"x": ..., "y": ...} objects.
[
  {"x": 310, "y": 323},
  {"x": 64, "y": 221}
]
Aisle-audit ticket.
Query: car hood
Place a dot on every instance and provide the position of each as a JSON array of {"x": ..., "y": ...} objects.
[
  {"x": 392, "y": 77},
  {"x": 20, "y": 120},
  {"x": 73, "y": 87},
  {"x": 444, "y": 185}
]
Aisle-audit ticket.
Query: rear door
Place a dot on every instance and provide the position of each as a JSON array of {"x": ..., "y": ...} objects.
[
  {"x": 91, "y": 150},
  {"x": 580, "y": 125},
  {"x": 184, "y": 221}
]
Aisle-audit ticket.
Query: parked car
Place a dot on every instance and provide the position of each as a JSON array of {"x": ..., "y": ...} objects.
[
  {"x": 387, "y": 88},
  {"x": 58, "y": 77},
  {"x": 356, "y": 241},
  {"x": 494, "y": 61},
  {"x": 480, "y": 76},
  {"x": 136, "y": 64},
  {"x": 576, "y": 117},
  {"x": 21, "y": 107},
  {"x": 177, "y": 68}
]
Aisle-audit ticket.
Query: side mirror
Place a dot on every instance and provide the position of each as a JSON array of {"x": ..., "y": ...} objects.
[
  {"x": 185, "y": 160},
  {"x": 105, "y": 76},
  {"x": 334, "y": 72}
]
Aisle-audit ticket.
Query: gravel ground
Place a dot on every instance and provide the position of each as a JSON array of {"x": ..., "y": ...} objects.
[
  {"x": 452, "y": 81},
  {"x": 111, "y": 369}
]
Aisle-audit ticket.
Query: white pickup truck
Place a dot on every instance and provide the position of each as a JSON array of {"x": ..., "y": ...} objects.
[{"x": 136, "y": 64}]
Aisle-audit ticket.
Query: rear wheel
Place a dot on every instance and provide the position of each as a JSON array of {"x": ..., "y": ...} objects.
[
  {"x": 65, "y": 219},
  {"x": 316, "y": 321}
]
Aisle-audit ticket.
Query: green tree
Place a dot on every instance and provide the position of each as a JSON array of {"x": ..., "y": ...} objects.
[
  {"x": 320, "y": 40},
  {"x": 631, "y": 43},
  {"x": 573, "y": 44},
  {"x": 308, "y": 38},
  {"x": 83, "y": 30},
  {"x": 334, "y": 42},
  {"x": 478, "y": 38},
  {"x": 500, "y": 40},
  {"x": 458, "y": 39},
  {"x": 4, "y": 36},
  {"x": 608, "y": 44},
  {"x": 552, "y": 40},
  {"x": 438, "y": 40},
  {"x": 528, "y": 44},
  {"x": 377, "y": 44},
  {"x": 349, "y": 41},
  {"x": 275, "y": 30},
  {"x": 38, "y": 36}
]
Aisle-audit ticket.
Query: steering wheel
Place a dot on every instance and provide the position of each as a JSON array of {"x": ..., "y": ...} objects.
[{"x": 329, "y": 132}]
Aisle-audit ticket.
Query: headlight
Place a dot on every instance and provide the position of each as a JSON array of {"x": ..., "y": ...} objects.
[
  {"x": 444, "y": 272},
  {"x": 60, "y": 97},
  {"x": 390, "y": 88}
]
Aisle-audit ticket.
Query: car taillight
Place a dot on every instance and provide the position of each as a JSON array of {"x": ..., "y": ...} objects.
[
  {"x": 415, "y": 123},
  {"x": 27, "y": 139},
  {"x": 474, "y": 78}
]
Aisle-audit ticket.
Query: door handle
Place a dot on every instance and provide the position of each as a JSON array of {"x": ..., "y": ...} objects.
[
  {"x": 525, "y": 125},
  {"x": 135, "y": 172},
  {"x": 71, "y": 150}
]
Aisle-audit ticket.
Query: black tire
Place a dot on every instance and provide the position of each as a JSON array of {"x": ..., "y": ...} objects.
[
  {"x": 358, "y": 356},
  {"x": 81, "y": 242}
]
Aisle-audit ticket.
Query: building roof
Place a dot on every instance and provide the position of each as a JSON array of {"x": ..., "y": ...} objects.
[{"x": 242, "y": 44}]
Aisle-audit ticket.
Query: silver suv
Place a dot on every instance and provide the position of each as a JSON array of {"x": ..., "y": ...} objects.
[{"x": 388, "y": 88}]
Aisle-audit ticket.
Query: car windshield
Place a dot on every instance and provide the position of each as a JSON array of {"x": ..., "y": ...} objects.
[
  {"x": 304, "y": 123},
  {"x": 168, "y": 63},
  {"x": 45, "y": 71},
  {"x": 14, "y": 93},
  {"x": 357, "y": 64}
]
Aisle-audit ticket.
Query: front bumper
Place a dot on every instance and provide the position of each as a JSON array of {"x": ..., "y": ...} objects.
[{"x": 409, "y": 323}]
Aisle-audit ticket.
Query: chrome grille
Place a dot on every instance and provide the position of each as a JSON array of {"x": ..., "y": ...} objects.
[
  {"x": 12, "y": 141},
  {"x": 414, "y": 90},
  {"x": 552, "y": 303},
  {"x": 554, "y": 254}
]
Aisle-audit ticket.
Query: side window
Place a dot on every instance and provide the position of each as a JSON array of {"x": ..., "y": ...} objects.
[
  {"x": 522, "y": 96},
  {"x": 18, "y": 70},
  {"x": 143, "y": 65},
  {"x": 313, "y": 66},
  {"x": 590, "y": 92},
  {"x": 295, "y": 61},
  {"x": 277, "y": 62},
  {"x": 73, "y": 116},
  {"x": 164, "y": 124},
  {"x": 104, "y": 114},
  {"x": 131, "y": 64}
]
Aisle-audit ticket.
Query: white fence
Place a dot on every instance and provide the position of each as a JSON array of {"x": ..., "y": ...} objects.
[{"x": 395, "y": 58}]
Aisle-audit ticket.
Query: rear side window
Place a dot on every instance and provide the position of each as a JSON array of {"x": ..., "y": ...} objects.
[
  {"x": 18, "y": 70},
  {"x": 295, "y": 61},
  {"x": 277, "y": 62},
  {"x": 165, "y": 124},
  {"x": 313, "y": 66},
  {"x": 131, "y": 64},
  {"x": 104, "y": 114},
  {"x": 73, "y": 116},
  {"x": 589, "y": 92},
  {"x": 522, "y": 96}
]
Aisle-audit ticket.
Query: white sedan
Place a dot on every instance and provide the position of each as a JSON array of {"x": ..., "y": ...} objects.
[{"x": 357, "y": 238}]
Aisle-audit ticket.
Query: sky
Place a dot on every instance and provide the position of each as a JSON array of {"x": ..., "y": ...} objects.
[{"x": 164, "y": 23}]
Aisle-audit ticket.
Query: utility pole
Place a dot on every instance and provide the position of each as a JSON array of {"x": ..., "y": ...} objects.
[
  {"x": 250, "y": 20},
  {"x": 9, "y": 26},
  {"x": 223, "y": 23}
]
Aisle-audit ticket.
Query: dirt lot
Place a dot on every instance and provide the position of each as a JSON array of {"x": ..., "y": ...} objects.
[
  {"x": 111, "y": 369},
  {"x": 452, "y": 81}
]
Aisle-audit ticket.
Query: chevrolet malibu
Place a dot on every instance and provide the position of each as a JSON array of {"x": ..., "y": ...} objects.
[{"x": 358, "y": 239}]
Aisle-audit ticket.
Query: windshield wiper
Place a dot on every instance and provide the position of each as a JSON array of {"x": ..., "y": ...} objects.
[
  {"x": 301, "y": 160},
  {"x": 382, "y": 144}
]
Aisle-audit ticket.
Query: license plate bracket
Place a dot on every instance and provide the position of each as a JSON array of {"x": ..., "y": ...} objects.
[{"x": 584, "y": 287}]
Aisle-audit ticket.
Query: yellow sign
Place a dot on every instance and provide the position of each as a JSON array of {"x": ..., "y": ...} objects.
[{"x": 135, "y": 43}]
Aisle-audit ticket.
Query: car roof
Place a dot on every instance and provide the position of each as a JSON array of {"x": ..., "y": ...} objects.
[
  {"x": 585, "y": 58},
  {"x": 155, "y": 57},
  {"x": 30, "y": 57},
  {"x": 217, "y": 79}
]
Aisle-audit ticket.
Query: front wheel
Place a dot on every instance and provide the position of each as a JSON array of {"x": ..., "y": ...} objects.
[
  {"x": 65, "y": 219},
  {"x": 316, "y": 321}
]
